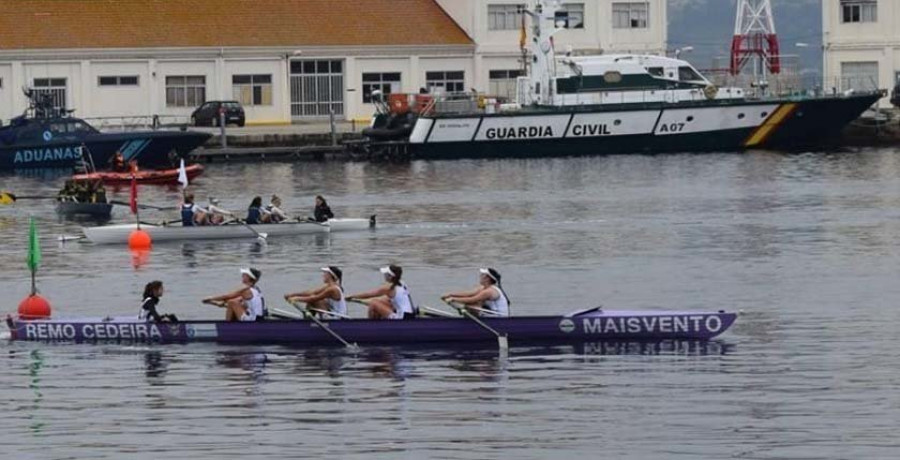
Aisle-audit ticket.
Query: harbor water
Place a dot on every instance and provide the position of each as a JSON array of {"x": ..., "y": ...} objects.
[{"x": 806, "y": 245}]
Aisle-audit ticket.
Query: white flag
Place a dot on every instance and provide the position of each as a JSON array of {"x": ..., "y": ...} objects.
[{"x": 182, "y": 175}]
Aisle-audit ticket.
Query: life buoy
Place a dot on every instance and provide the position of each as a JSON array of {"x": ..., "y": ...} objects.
[{"x": 710, "y": 91}]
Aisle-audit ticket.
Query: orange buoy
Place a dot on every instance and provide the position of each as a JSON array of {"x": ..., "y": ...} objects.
[
  {"x": 34, "y": 307},
  {"x": 139, "y": 239}
]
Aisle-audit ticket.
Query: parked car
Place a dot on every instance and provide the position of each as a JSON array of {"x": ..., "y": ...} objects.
[
  {"x": 208, "y": 113},
  {"x": 895, "y": 96}
]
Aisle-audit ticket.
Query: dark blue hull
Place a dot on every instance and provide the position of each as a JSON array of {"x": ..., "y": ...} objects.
[{"x": 152, "y": 149}]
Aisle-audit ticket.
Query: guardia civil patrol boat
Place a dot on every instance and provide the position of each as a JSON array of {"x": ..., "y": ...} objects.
[
  {"x": 49, "y": 137},
  {"x": 605, "y": 104}
]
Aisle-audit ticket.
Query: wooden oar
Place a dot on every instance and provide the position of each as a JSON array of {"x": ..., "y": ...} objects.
[
  {"x": 502, "y": 340},
  {"x": 350, "y": 346}
]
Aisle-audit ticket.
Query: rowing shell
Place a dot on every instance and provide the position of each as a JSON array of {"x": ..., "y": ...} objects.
[
  {"x": 581, "y": 326},
  {"x": 115, "y": 234}
]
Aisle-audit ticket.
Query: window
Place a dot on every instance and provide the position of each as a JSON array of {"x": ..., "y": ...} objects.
[
  {"x": 317, "y": 88},
  {"x": 505, "y": 17},
  {"x": 859, "y": 75},
  {"x": 185, "y": 91},
  {"x": 448, "y": 82},
  {"x": 688, "y": 74},
  {"x": 571, "y": 16},
  {"x": 502, "y": 83},
  {"x": 1, "y": 83},
  {"x": 631, "y": 15},
  {"x": 387, "y": 83},
  {"x": 859, "y": 10},
  {"x": 656, "y": 71},
  {"x": 53, "y": 88},
  {"x": 252, "y": 89},
  {"x": 118, "y": 81}
]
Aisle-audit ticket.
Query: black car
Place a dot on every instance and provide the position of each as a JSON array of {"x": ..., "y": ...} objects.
[
  {"x": 895, "y": 96},
  {"x": 208, "y": 113}
]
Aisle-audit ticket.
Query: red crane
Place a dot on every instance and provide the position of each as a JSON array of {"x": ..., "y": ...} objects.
[{"x": 755, "y": 37}]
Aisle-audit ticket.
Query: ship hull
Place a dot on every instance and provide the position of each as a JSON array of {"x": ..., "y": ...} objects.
[
  {"x": 700, "y": 127},
  {"x": 151, "y": 150}
]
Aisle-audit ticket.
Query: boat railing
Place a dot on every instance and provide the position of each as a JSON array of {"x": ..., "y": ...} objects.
[{"x": 126, "y": 123}]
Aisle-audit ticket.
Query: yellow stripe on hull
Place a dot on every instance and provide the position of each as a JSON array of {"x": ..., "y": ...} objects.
[{"x": 766, "y": 129}]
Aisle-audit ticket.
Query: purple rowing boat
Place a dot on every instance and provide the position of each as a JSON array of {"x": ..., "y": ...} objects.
[{"x": 580, "y": 326}]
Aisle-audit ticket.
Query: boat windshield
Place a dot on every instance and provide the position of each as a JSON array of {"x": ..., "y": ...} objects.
[{"x": 688, "y": 74}]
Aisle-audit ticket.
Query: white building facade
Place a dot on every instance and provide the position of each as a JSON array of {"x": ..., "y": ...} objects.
[
  {"x": 465, "y": 44},
  {"x": 861, "y": 41}
]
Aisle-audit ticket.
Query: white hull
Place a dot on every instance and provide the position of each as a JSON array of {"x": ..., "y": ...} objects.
[{"x": 118, "y": 234}]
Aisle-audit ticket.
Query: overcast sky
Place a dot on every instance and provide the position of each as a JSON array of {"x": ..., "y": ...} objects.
[{"x": 708, "y": 26}]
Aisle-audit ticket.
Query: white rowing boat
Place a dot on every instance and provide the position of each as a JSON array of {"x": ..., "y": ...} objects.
[{"x": 118, "y": 234}]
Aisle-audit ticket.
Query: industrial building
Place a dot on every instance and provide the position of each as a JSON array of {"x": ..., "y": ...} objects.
[
  {"x": 284, "y": 60},
  {"x": 862, "y": 44}
]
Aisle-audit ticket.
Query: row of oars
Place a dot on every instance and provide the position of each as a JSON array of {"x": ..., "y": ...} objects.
[{"x": 311, "y": 314}]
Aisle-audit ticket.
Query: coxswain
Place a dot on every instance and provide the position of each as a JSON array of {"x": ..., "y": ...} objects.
[
  {"x": 245, "y": 303},
  {"x": 254, "y": 211},
  {"x": 391, "y": 300},
  {"x": 488, "y": 296},
  {"x": 117, "y": 162},
  {"x": 152, "y": 292},
  {"x": 329, "y": 297},
  {"x": 322, "y": 212},
  {"x": 272, "y": 213},
  {"x": 191, "y": 214}
]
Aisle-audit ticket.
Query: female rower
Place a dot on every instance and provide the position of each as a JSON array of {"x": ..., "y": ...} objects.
[
  {"x": 191, "y": 214},
  {"x": 328, "y": 297},
  {"x": 216, "y": 214},
  {"x": 245, "y": 303},
  {"x": 254, "y": 212},
  {"x": 489, "y": 295},
  {"x": 152, "y": 292},
  {"x": 322, "y": 211},
  {"x": 390, "y": 301},
  {"x": 272, "y": 214}
]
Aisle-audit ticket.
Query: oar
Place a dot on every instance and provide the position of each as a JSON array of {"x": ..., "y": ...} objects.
[
  {"x": 350, "y": 346},
  {"x": 141, "y": 206},
  {"x": 502, "y": 340},
  {"x": 66, "y": 238},
  {"x": 10, "y": 198},
  {"x": 425, "y": 310},
  {"x": 260, "y": 235}
]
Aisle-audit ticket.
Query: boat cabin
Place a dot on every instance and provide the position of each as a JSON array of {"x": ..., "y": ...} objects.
[
  {"x": 30, "y": 131},
  {"x": 625, "y": 78}
]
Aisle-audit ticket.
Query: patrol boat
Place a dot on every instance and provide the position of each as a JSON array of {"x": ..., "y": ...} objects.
[
  {"x": 49, "y": 137},
  {"x": 605, "y": 104}
]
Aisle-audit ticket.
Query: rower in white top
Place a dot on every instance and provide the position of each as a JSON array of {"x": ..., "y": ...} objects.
[
  {"x": 488, "y": 299},
  {"x": 327, "y": 300},
  {"x": 273, "y": 214},
  {"x": 245, "y": 303},
  {"x": 391, "y": 300}
]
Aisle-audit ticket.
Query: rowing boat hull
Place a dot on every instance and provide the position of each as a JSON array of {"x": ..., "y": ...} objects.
[
  {"x": 590, "y": 325},
  {"x": 99, "y": 210},
  {"x": 115, "y": 234}
]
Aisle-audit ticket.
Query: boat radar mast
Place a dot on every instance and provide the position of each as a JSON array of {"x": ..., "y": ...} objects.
[{"x": 543, "y": 60}]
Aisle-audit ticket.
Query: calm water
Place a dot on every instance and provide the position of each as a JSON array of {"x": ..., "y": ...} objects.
[{"x": 807, "y": 245}]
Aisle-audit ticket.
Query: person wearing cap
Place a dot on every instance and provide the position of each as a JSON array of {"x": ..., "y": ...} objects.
[
  {"x": 489, "y": 295},
  {"x": 329, "y": 297},
  {"x": 272, "y": 214},
  {"x": 245, "y": 303},
  {"x": 392, "y": 300}
]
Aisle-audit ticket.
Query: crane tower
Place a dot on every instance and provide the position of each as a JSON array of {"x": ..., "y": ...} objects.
[{"x": 755, "y": 38}]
